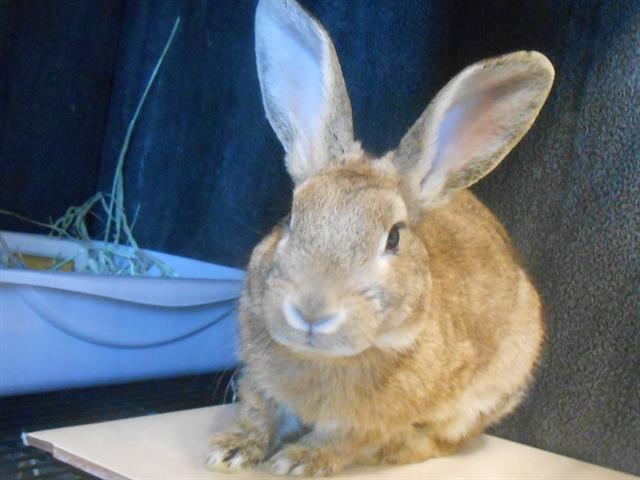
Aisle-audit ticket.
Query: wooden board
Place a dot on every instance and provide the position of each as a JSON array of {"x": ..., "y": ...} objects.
[{"x": 174, "y": 446}]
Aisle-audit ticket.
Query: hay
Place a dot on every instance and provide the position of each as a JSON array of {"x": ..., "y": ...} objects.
[{"x": 119, "y": 253}]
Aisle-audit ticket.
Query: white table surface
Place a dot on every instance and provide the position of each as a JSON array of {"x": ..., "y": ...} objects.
[{"x": 174, "y": 446}]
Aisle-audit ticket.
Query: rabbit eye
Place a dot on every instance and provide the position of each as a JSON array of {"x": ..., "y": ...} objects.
[{"x": 394, "y": 237}]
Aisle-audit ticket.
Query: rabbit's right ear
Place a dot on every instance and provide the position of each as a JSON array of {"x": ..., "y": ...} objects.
[{"x": 303, "y": 90}]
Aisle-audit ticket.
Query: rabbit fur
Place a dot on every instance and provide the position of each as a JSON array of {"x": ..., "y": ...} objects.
[{"x": 355, "y": 352}]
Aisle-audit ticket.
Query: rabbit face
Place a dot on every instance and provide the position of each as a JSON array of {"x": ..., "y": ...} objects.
[{"x": 340, "y": 268}]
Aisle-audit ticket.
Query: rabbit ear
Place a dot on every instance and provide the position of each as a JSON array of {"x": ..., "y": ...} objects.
[
  {"x": 472, "y": 124},
  {"x": 303, "y": 90}
]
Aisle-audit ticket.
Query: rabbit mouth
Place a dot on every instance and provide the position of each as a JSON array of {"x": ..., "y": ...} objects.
[{"x": 312, "y": 344}]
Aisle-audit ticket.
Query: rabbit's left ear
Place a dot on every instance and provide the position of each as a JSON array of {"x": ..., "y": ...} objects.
[
  {"x": 303, "y": 90},
  {"x": 471, "y": 125}
]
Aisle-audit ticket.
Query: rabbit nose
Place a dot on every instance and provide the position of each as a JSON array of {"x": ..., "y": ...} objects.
[{"x": 307, "y": 323}]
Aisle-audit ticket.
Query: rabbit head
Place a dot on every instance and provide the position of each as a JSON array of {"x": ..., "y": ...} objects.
[{"x": 348, "y": 269}]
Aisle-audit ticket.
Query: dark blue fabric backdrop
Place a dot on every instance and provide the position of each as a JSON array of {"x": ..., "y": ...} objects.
[{"x": 207, "y": 171}]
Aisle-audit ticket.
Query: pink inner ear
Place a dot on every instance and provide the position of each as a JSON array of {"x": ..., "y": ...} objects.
[
  {"x": 475, "y": 125},
  {"x": 295, "y": 79}
]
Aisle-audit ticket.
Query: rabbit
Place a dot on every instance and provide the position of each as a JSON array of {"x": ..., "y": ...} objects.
[{"x": 387, "y": 319}]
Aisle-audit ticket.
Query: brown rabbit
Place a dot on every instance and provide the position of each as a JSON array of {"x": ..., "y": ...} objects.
[{"x": 388, "y": 319}]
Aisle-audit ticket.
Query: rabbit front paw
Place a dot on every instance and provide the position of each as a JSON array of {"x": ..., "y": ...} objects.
[
  {"x": 233, "y": 451},
  {"x": 302, "y": 460}
]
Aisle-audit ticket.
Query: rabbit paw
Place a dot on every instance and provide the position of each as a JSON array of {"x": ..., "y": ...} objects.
[
  {"x": 233, "y": 451},
  {"x": 301, "y": 460}
]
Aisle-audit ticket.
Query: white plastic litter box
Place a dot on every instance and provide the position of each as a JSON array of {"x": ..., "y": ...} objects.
[{"x": 62, "y": 329}]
